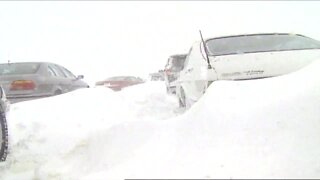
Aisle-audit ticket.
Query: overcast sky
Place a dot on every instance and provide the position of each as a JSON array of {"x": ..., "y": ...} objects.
[{"x": 104, "y": 38}]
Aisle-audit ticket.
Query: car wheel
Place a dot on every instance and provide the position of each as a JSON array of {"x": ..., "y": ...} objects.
[
  {"x": 57, "y": 92},
  {"x": 184, "y": 102},
  {"x": 3, "y": 137}
]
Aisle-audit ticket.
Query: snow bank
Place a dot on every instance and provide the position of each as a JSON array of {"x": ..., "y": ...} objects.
[
  {"x": 46, "y": 133},
  {"x": 266, "y": 128}
]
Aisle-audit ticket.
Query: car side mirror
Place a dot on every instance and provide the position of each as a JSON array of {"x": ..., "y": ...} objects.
[{"x": 80, "y": 77}]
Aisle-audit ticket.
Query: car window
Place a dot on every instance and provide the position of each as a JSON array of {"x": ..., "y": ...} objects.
[
  {"x": 115, "y": 79},
  {"x": 259, "y": 43},
  {"x": 177, "y": 63},
  {"x": 67, "y": 73},
  {"x": 19, "y": 68},
  {"x": 129, "y": 79},
  {"x": 51, "y": 71},
  {"x": 134, "y": 79},
  {"x": 139, "y": 79},
  {"x": 57, "y": 71}
]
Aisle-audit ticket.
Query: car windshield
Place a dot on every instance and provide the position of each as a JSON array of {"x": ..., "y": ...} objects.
[
  {"x": 119, "y": 78},
  {"x": 18, "y": 68},
  {"x": 259, "y": 43},
  {"x": 176, "y": 63}
]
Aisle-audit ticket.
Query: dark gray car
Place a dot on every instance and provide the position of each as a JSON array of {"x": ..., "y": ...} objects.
[
  {"x": 173, "y": 67},
  {"x": 31, "y": 80},
  {"x": 4, "y": 108}
]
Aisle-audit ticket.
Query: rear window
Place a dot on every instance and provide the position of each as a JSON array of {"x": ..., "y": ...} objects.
[
  {"x": 19, "y": 68},
  {"x": 260, "y": 43},
  {"x": 120, "y": 78},
  {"x": 123, "y": 78}
]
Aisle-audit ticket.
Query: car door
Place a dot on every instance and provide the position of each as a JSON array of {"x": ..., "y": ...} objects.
[
  {"x": 49, "y": 85},
  {"x": 243, "y": 66},
  {"x": 75, "y": 83},
  {"x": 61, "y": 79}
]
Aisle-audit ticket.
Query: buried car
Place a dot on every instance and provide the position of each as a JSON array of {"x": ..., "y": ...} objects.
[
  {"x": 32, "y": 80},
  {"x": 171, "y": 71},
  {"x": 117, "y": 83},
  {"x": 242, "y": 57},
  {"x": 4, "y": 108}
]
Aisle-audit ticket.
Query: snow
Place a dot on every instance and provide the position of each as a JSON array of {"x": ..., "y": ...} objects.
[{"x": 267, "y": 128}]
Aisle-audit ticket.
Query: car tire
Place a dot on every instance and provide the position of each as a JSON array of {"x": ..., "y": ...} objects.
[
  {"x": 183, "y": 101},
  {"x": 3, "y": 136},
  {"x": 57, "y": 92}
]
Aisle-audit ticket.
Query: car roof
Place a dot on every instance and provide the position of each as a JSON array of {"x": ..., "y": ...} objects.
[
  {"x": 29, "y": 62},
  {"x": 116, "y": 77},
  {"x": 251, "y": 34},
  {"x": 18, "y": 62}
]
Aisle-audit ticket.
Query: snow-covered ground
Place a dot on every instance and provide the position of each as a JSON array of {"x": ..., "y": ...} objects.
[{"x": 268, "y": 128}]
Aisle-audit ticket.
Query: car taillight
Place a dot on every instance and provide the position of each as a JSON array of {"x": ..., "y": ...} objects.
[{"x": 22, "y": 85}]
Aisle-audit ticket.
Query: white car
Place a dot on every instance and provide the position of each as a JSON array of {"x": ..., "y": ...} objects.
[{"x": 242, "y": 57}]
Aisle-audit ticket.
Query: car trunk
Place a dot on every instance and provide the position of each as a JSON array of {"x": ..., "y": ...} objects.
[{"x": 7, "y": 80}]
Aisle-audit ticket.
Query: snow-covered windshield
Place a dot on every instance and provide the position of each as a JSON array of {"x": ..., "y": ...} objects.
[
  {"x": 259, "y": 43},
  {"x": 18, "y": 68}
]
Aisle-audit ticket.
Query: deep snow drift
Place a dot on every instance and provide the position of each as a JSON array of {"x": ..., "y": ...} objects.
[
  {"x": 266, "y": 128},
  {"x": 54, "y": 129}
]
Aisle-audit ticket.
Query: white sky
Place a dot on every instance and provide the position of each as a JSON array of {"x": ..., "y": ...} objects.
[{"x": 104, "y": 38}]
